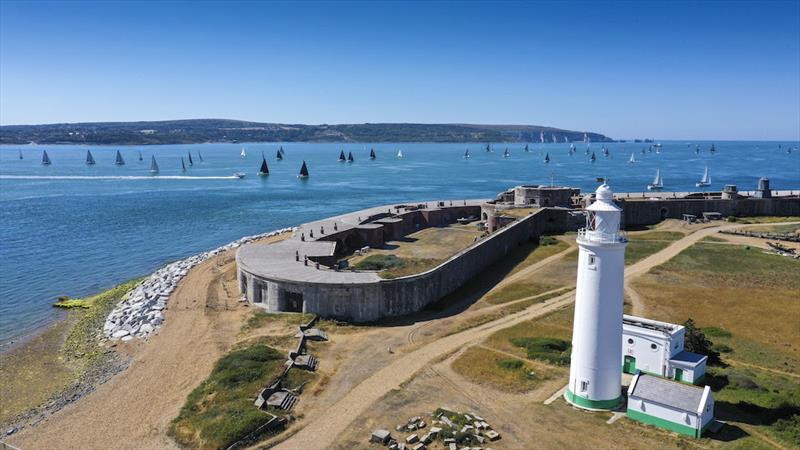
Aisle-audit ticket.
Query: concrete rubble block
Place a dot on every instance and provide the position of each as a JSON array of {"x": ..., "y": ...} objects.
[
  {"x": 434, "y": 431},
  {"x": 449, "y": 441},
  {"x": 477, "y": 425},
  {"x": 393, "y": 446},
  {"x": 492, "y": 435},
  {"x": 452, "y": 446},
  {"x": 120, "y": 334},
  {"x": 380, "y": 435},
  {"x": 486, "y": 425},
  {"x": 426, "y": 438},
  {"x": 411, "y": 427},
  {"x": 467, "y": 428},
  {"x": 412, "y": 439},
  {"x": 421, "y": 424},
  {"x": 400, "y": 428},
  {"x": 419, "y": 446}
]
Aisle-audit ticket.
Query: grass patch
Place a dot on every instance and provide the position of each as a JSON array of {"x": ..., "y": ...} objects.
[
  {"x": 763, "y": 219},
  {"x": 550, "y": 350},
  {"x": 488, "y": 367},
  {"x": 556, "y": 325},
  {"x": 642, "y": 245},
  {"x": 713, "y": 239},
  {"x": 71, "y": 303},
  {"x": 518, "y": 291},
  {"x": 261, "y": 318},
  {"x": 411, "y": 266},
  {"x": 716, "y": 332},
  {"x": 486, "y": 317},
  {"x": 788, "y": 430},
  {"x": 379, "y": 262},
  {"x": 220, "y": 411},
  {"x": 548, "y": 246}
]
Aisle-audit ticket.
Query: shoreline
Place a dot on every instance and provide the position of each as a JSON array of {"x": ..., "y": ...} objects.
[{"x": 71, "y": 356}]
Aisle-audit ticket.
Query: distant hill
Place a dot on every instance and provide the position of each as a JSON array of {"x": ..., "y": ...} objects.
[{"x": 221, "y": 130}]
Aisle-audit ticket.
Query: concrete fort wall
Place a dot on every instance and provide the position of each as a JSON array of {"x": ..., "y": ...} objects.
[
  {"x": 386, "y": 298},
  {"x": 649, "y": 212}
]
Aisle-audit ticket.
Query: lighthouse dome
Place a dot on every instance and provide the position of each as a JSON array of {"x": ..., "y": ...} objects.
[{"x": 604, "y": 193}]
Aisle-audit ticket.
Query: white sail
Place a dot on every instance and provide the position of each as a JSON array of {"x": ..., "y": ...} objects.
[
  {"x": 400, "y": 154},
  {"x": 541, "y": 137},
  {"x": 658, "y": 182},
  {"x": 632, "y": 160},
  {"x": 243, "y": 153},
  {"x": 706, "y": 180},
  {"x": 153, "y": 164}
]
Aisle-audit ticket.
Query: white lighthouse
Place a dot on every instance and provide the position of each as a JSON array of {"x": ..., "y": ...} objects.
[{"x": 595, "y": 368}]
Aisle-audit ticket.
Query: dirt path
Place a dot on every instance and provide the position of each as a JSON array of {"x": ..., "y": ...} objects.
[{"x": 133, "y": 410}]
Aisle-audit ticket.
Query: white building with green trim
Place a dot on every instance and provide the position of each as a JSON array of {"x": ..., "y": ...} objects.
[
  {"x": 678, "y": 407},
  {"x": 656, "y": 347}
]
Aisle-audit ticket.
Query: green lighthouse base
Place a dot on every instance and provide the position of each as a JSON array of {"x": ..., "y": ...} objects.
[{"x": 592, "y": 405}]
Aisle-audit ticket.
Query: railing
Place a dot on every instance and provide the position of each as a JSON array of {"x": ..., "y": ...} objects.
[{"x": 598, "y": 236}]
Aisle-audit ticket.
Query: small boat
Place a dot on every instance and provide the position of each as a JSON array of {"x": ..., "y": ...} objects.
[
  {"x": 593, "y": 158},
  {"x": 526, "y": 148},
  {"x": 89, "y": 158},
  {"x": 712, "y": 149},
  {"x": 183, "y": 165},
  {"x": 541, "y": 137},
  {"x": 119, "y": 161},
  {"x": 239, "y": 175},
  {"x": 588, "y": 148},
  {"x": 350, "y": 157},
  {"x": 341, "y": 156},
  {"x": 788, "y": 152},
  {"x": 585, "y": 138},
  {"x": 506, "y": 154},
  {"x": 566, "y": 139},
  {"x": 243, "y": 153},
  {"x": 45, "y": 158},
  {"x": 705, "y": 181},
  {"x": 632, "y": 160},
  {"x": 658, "y": 182},
  {"x": 547, "y": 158},
  {"x": 191, "y": 163},
  {"x": 466, "y": 154},
  {"x": 400, "y": 154},
  {"x": 303, "y": 171},
  {"x": 643, "y": 152},
  {"x": 605, "y": 151},
  {"x": 488, "y": 148},
  {"x": 572, "y": 149},
  {"x": 372, "y": 153},
  {"x": 264, "y": 169},
  {"x": 554, "y": 139},
  {"x": 279, "y": 154},
  {"x": 280, "y": 150},
  {"x": 153, "y": 165},
  {"x": 20, "y": 154},
  {"x": 199, "y": 156},
  {"x": 697, "y": 150},
  {"x": 140, "y": 155}
]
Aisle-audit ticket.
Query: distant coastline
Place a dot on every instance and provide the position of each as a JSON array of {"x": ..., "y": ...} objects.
[{"x": 199, "y": 131}]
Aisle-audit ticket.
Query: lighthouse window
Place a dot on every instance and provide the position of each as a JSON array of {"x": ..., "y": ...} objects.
[
  {"x": 591, "y": 260},
  {"x": 653, "y": 346},
  {"x": 630, "y": 341},
  {"x": 584, "y": 386}
]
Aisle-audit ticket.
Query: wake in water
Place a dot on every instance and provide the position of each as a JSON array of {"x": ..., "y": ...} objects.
[{"x": 101, "y": 177}]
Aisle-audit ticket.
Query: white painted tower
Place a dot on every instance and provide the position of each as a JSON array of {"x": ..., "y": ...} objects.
[{"x": 595, "y": 369}]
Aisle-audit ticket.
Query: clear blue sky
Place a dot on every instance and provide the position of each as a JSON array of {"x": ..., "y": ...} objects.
[{"x": 717, "y": 70}]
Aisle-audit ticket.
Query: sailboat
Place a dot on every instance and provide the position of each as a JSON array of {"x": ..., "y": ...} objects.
[
  {"x": 20, "y": 154},
  {"x": 506, "y": 154},
  {"x": 643, "y": 150},
  {"x": 400, "y": 154},
  {"x": 566, "y": 139},
  {"x": 705, "y": 181},
  {"x": 541, "y": 137},
  {"x": 632, "y": 160},
  {"x": 712, "y": 149},
  {"x": 140, "y": 155},
  {"x": 279, "y": 155},
  {"x": 45, "y": 158},
  {"x": 243, "y": 153},
  {"x": 153, "y": 165},
  {"x": 488, "y": 148},
  {"x": 588, "y": 148},
  {"x": 191, "y": 163},
  {"x": 303, "y": 171},
  {"x": 585, "y": 138},
  {"x": 526, "y": 148},
  {"x": 89, "y": 158},
  {"x": 593, "y": 158},
  {"x": 350, "y": 157},
  {"x": 372, "y": 153},
  {"x": 697, "y": 150},
  {"x": 571, "y": 149},
  {"x": 466, "y": 154},
  {"x": 119, "y": 161},
  {"x": 657, "y": 184},
  {"x": 341, "y": 156},
  {"x": 280, "y": 150},
  {"x": 199, "y": 156},
  {"x": 183, "y": 165},
  {"x": 264, "y": 169},
  {"x": 547, "y": 158}
]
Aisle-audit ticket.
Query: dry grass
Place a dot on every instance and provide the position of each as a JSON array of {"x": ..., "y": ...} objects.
[
  {"x": 642, "y": 245},
  {"x": 555, "y": 325},
  {"x": 743, "y": 291},
  {"x": 487, "y": 367},
  {"x": 548, "y": 246},
  {"x": 518, "y": 212}
]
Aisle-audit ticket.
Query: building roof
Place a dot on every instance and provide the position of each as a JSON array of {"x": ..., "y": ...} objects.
[
  {"x": 685, "y": 358},
  {"x": 667, "y": 392},
  {"x": 650, "y": 324}
]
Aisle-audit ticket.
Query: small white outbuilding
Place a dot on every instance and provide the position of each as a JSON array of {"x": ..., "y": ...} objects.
[
  {"x": 656, "y": 347},
  {"x": 668, "y": 404}
]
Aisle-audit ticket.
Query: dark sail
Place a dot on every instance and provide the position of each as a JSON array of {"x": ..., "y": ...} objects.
[
  {"x": 547, "y": 157},
  {"x": 280, "y": 150},
  {"x": 183, "y": 165},
  {"x": 350, "y": 157},
  {"x": 20, "y": 154},
  {"x": 264, "y": 170},
  {"x": 199, "y": 156},
  {"x": 45, "y": 158},
  {"x": 593, "y": 157},
  {"x": 526, "y": 147},
  {"x": 304, "y": 171},
  {"x": 372, "y": 153},
  {"x": 89, "y": 157},
  {"x": 191, "y": 163},
  {"x": 153, "y": 164},
  {"x": 488, "y": 147},
  {"x": 279, "y": 155},
  {"x": 341, "y": 156},
  {"x": 119, "y": 161},
  {"x": 140, "y": 155}
]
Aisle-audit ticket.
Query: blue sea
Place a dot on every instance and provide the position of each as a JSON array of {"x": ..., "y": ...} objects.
[{"x": 72, "y": 229}]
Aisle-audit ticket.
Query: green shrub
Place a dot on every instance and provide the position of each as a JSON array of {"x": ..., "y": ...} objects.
[
  {"x": 379, "y": 262},
  {"x": 722, "y": 348},
  {"x": 716, "y": 332},
  {"x": 788, "y": 429},
  {"x": 696, "y": 341},
  {"x": 510, "y": 364},
  {"x": 554, "y": 351},
  {"x": 547, "y": 240}
]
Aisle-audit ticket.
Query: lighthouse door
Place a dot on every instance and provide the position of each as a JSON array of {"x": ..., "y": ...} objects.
[{"x": 630, "y": 365}]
